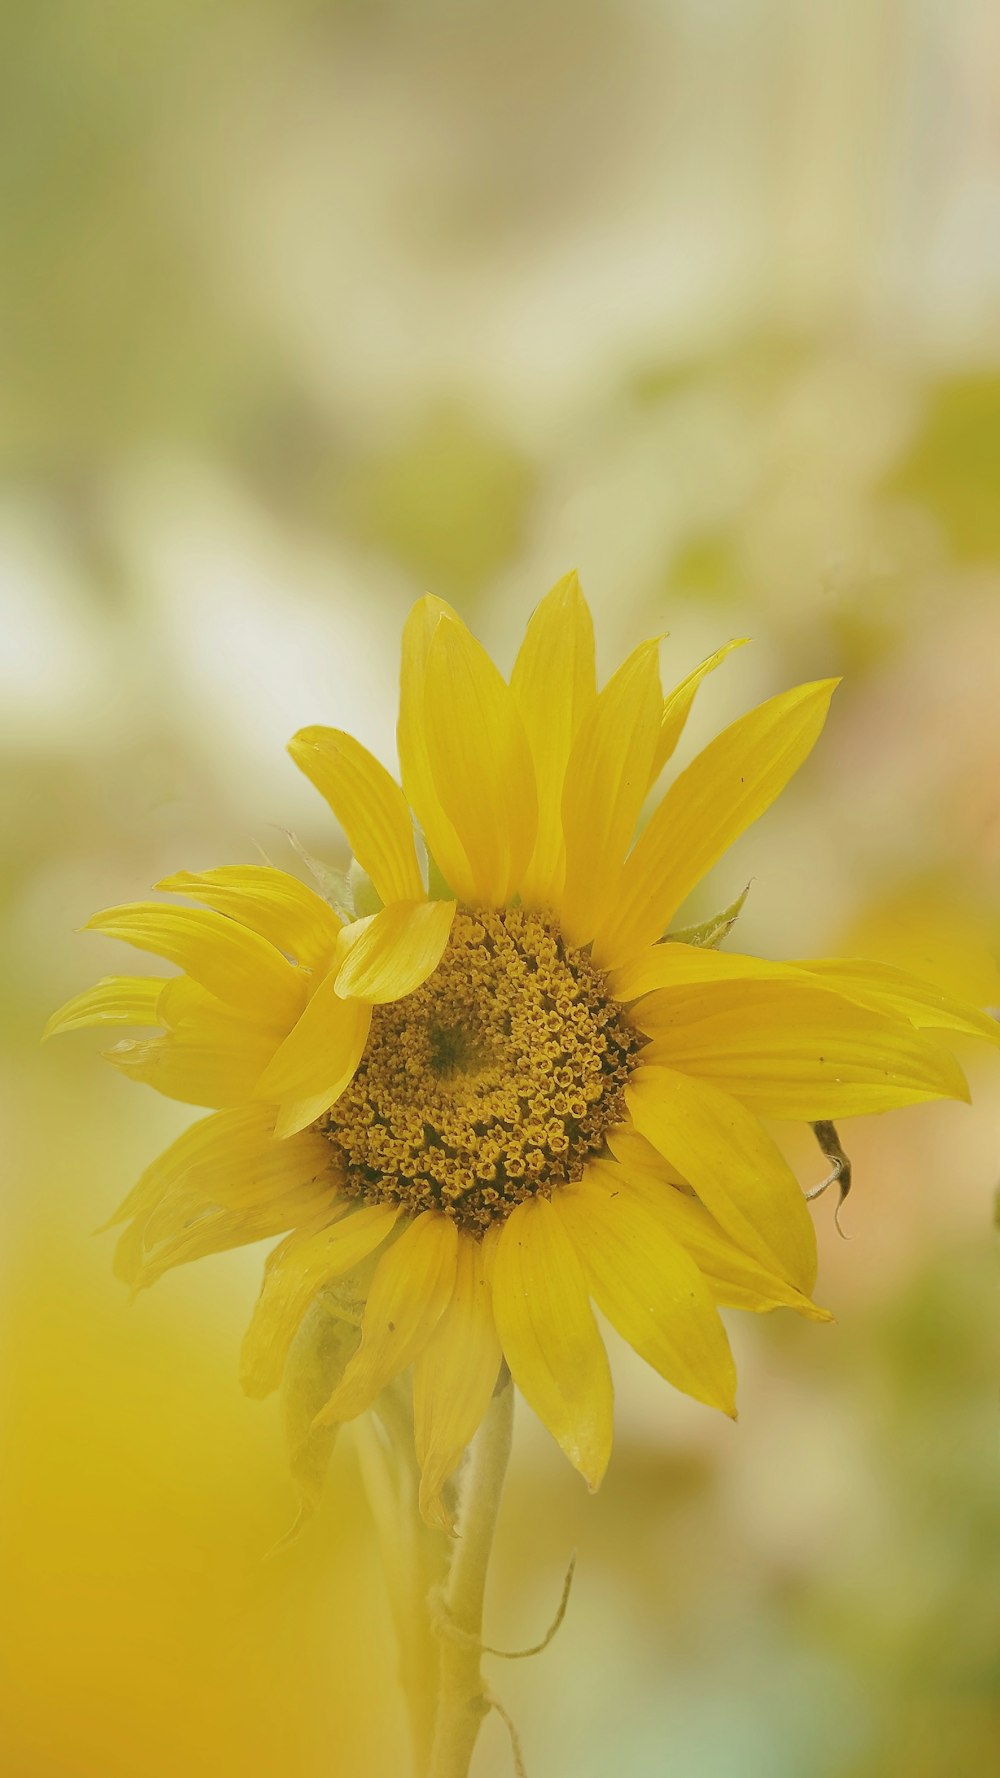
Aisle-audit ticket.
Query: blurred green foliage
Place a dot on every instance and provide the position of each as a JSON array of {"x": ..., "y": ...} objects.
[
  {"x": 308, "y": 306},
  {"x": 448, "y": 500},
  {"x": 952, "y": 466}
]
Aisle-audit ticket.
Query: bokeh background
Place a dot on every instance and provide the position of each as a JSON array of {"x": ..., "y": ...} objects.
[{"x": 307, "y": 308}]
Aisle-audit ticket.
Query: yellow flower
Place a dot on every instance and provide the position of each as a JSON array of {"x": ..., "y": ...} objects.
[{"x": 511, "y": 1091}]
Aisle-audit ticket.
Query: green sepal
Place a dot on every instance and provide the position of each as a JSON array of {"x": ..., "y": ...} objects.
[
  {"x": 437, "y": 888},
  {"x": 332, "y": 884},
  {"x": 363, "y": 892},
  {"x": 709, "y": 934}
]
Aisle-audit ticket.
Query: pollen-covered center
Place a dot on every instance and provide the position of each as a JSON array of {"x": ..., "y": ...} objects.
[{"x": 495, "y": 1080}]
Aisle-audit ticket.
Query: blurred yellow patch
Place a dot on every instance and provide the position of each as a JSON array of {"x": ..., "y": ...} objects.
[{"x": 144, "y": 1631}]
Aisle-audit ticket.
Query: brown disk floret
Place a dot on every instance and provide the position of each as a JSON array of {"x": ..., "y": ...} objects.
[{"x": 497, "y": 1079}]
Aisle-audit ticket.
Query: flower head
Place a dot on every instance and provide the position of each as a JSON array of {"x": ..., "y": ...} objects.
[{"x": 506, "y": 1093}]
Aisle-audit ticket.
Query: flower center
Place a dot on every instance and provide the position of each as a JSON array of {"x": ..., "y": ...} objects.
[{"x": 497, "y": 1079}]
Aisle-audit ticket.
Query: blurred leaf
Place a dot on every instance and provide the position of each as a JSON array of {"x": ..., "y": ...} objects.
[
  {"x": 364, "y": 896},
  {"x": 449, "y": 501},
  {"x": 708, "y": 567},
  {"x": 868, "y": 621},
  {"x": 953, "y": 465},
  {"x": 755, "y": 363}
]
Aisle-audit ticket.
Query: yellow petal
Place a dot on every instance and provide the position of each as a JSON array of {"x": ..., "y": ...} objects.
[
  {"x": 202, "y": 1064},
  {"x": 248, "y": 1166},
  {"x": 317, "y": 1060},
  {"x": 549, "y": 1336},
  {"x": 392, "y": 953},
  {"x": 885, "y": 988},
  {"x": 733, "y": 1165},
  {"x": 453, "y": 1380},
  {"x": 671, "y": 965},
  {"x": 720, "y": 794},
  {"x": 480, "y": 763},
  {"x": 182, "y": 1228},
  {"x": 734, "y": 1277},
  {"x": 273, "y": 904},
  {"x": 114, "y": 1000},
  {"x": 409, "y": 1293},
  {"x": 212, "y": 1054},
  {"x": 677, "y": 706},
  {"x": 787, "y": 1049},
  {"x": 605, "y": 787},
  {"x": 937, "y": 935},
  {"x": 369, "y": 806},
  {"x": 445, "y": 848},
  {"x": 185, "y": 1006},
  {"x": 229, "y": 960},
  {"x": 554, "y": 687},
  {"x": 233, "y": 1159},
  {"x": 294, "y": 1274},
  {"x": 648, "y": 1286}
]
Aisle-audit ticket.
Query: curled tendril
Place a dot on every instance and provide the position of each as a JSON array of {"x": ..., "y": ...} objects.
[
  {"x": 840, "y": 1170},
  {"x": 524, "y": 1654},
  {"x": 445, "y": 1627}
]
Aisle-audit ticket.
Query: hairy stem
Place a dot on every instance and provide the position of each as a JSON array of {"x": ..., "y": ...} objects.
[{"x": 463, "y": 1699}]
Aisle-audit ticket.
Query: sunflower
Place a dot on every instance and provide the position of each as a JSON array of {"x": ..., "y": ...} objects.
[{"x": 503, "y": 1095}]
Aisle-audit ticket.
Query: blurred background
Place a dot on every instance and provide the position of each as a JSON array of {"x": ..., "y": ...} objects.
[{"x": 308, "y": 308}]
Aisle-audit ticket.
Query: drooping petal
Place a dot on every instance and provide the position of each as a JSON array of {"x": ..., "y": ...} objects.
[
  {"x": 549, "y": 1336},
  {"x": 720, "y": 794},
  {"x": 671, "y": 965},
  {"x": 883, "y": 987},
  {"x": 480, "y": 763},
  {"x": 185, "y": 1006},
  {"x": 605, "y": 787},
  {"x": 212, "y": 1054},
  {"x": 554, "y": 687},
  {"x": 294, "y": 1274},
  {"x": 317, "y": 1060},
  {"x": 114, "y": 1000},
  {"x": 791, "y": 1050},
  {"x": 289, "y": 914},
  {"x": 677, "y": 706},
  {"x": 648, "y": 1286},
  {"x": 732, "y": 1163},
  {"x": 232, "y": 962},
  {"x": 453, "y": 1379},
  {"x": 225, "y": 1182},
  {"x": 735, "y": 1278},
  {"x": 413, "y": 1282},
  {"x": 203, "y": 1064},
  {"x": 446, "y": 850},
  {"x": 392, "y": 953},
  {"x": 369, "y": 806},
  {"x": 233, "y": 1158},
  {"x": 182, "y": 1228}
]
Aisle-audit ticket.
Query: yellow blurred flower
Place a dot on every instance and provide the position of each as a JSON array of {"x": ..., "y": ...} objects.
[{"x": 504, "y": 1091}]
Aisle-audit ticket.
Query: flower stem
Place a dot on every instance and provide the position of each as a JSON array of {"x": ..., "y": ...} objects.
[
  {"x": 463, "y": 1699},
  {"x": 405, "y": 1580}
]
